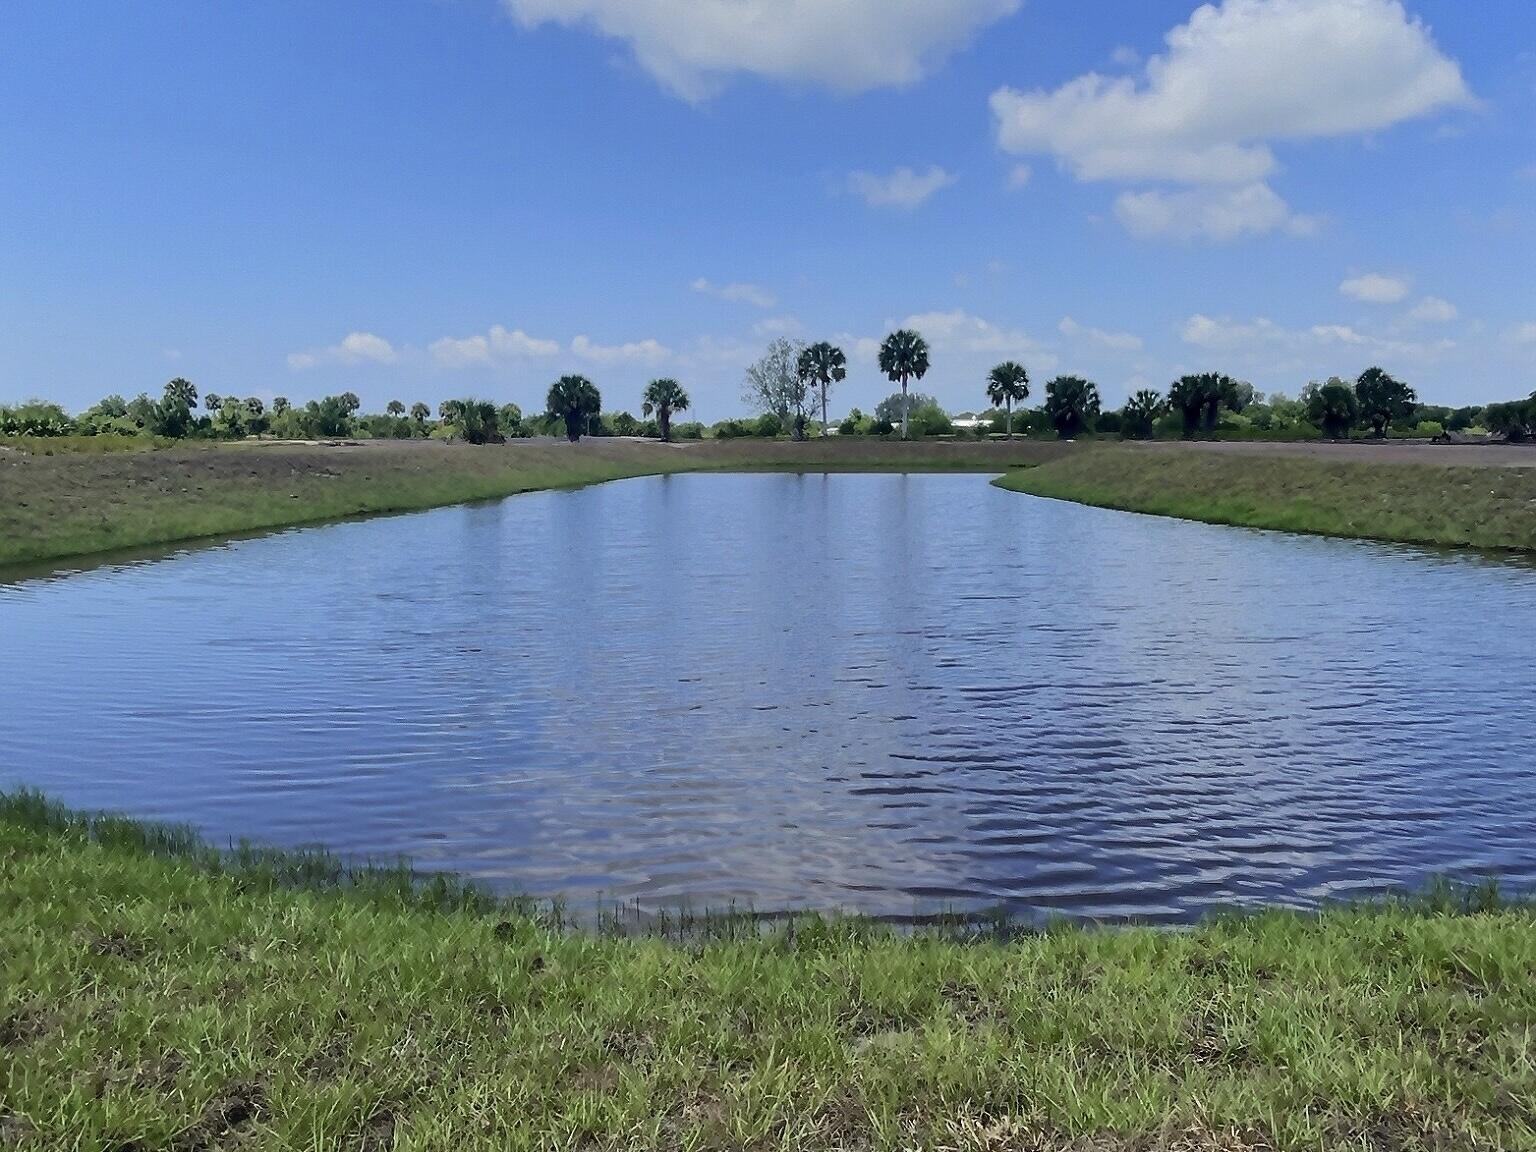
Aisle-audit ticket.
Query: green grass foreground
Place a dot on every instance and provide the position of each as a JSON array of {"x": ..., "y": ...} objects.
[
  {"x": 76, "y": 503},
  {"x": 155, "y": 994},
  {"x": 1416, "y": 503}
]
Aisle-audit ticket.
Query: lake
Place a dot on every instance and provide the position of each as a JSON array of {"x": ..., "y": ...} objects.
[{"x": 884, "y": 693}]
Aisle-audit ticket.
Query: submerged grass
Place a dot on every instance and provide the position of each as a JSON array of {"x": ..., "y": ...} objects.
[
  {"x": 156, "y": 994},
  {"x": 72, "y": 504},
  {"x": 1418, "y": 503}
]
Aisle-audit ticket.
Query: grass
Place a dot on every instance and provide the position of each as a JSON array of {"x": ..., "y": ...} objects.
[
  {"x": 154, "y": 994},
  {"x": 71, "y": 504},
  {"x": 1418, "y": 503}
]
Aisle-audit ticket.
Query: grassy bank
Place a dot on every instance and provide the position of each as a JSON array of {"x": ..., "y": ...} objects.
[
  {"x": 70, "y": 504},
  {"x": 1371, "y": 498},
  {"x": 153, "y": 996}
]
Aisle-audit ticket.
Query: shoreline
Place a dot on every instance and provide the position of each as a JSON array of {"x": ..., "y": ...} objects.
[
  {"x": 86, "y": 507},
  {"x": 150, "y": 994}
]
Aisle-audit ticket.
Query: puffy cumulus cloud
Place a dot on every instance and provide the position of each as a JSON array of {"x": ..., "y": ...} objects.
[
  {"x": 499, "y": 344},
  {"x": 737, "y": 293},
  {"x": 1433, "y": 310},
  {"x": 635, "y": 352},
  {"x": 1238, "y": 77},
  {"x": 692, "y": 46},
  {"x": 903, "y": 188},
  {"x": 1217, "y": 214},
  {"x": 1375, "y": 288},
  {"x": 1115, "y": 341},
  {"x": 355, "y": 348}
]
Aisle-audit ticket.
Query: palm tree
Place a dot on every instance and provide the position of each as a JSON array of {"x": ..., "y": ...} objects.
[
  {"x": 1139, "y": 414},
  {"x": 1072, "y": 404},
  {"x": 213, "y": 401},
  {"x": 1219, "y": 389},
  {"x": 182, "y": 392},
  {"x": 395, "y": 408},
  {"x": 664, "y": 397},
  {"x": 1007, "y": 383},
  {"x": 903, "y": 357},
  {"x": 254, "y": 406},
  {"x": 821, "y": 365},
  {"x": 280, "y": 405},
  {"x": 419, "y": 412},
  {"x": 1188, "y": 396},
  {"x": 573, "y": 399},
  {"x": 1334, "y": 408}
]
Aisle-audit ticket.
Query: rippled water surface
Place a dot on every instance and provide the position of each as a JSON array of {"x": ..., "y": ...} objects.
[{"x": 888, "y": 693}]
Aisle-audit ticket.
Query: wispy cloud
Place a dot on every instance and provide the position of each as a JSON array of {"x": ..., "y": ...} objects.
[
  {"x": 1375, "y": 288},
  {"x": 742, "y": 293},
  {"x": 1115, "y": 341},
  {"x": 903, "y": 188}
]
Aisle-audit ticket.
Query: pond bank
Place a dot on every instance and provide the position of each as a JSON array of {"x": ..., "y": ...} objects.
[
  {"x": 154, "y": 995},
  {"x": 74, "y": 504},
  {"x": 1410, "y": 496}
]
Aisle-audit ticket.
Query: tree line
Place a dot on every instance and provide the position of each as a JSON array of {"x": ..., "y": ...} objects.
[{"x": 789, "y": 386}]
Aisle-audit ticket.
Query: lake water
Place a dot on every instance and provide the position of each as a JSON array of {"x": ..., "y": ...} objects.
[{"x": 895, "y": 694}]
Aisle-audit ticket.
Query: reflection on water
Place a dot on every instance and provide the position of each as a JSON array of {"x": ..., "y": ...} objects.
[{"x": 886, "y": 693}]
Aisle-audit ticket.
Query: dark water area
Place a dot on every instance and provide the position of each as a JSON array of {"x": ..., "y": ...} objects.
[{"x": 883, "y": 693}]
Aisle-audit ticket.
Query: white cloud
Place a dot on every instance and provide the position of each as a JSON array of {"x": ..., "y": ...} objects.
[
  {"x": 863, "y": 350},
  {"x": 1020, "y": 176},
  {"x": 742, "y": 293},
  {"x": 692, "y": 46},
  {"x": 1240, "y": 76},
  {"x": 1433, "y": 310},
  {"x": 1115, "y": 341},
  {"x": 355, "y": 348},
  {"x": 1217, "y": 214},
  {"x": 498, "y": 344},
  {"x": 1206, "y": 332},
  {"x": 1262, "y": 341},
  {"x": 903, "y": 188},
  {"x": 775, "y": 326},
  {"x": 965, "y": 337},
  {"x": 635, "y": 352},
  {"x": 1375, "y": 288},
  {"x": 1524, "y": 333},
  {"x": 1125, "y": 56}
]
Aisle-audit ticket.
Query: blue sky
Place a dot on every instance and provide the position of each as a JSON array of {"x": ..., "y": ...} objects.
[{"x": 418, "y": 199}]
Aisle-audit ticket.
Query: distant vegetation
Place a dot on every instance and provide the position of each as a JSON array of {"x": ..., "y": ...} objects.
[{"x": 790, "y": 388}]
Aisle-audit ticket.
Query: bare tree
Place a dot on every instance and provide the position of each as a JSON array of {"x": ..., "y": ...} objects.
[{"x": 774, "y": 384}]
